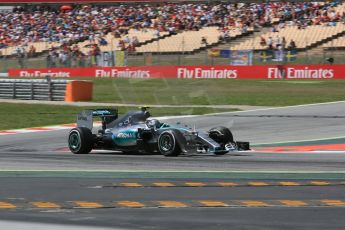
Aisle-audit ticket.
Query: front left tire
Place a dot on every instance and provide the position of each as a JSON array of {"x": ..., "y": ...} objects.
[
  {"x": 221, "y": 135},
  {"x": 167, "y": 144},
  {"x": 80, "y": 140}
]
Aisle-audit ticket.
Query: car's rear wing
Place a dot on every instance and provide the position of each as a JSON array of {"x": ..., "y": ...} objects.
[{"x": 85, "y": 117}]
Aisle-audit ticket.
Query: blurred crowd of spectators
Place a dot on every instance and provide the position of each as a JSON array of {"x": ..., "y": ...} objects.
[
  {"x": 307, "y": 14},
  {"x": 70, "y": 24},
  {"x": 42, "y": 23},
  {"x": 71, "y": 56}
]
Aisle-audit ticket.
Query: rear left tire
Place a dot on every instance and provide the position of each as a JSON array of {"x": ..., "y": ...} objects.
[{"x": 80, "y": 140}]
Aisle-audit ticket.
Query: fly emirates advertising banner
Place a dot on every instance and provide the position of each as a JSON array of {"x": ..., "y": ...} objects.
[{"x": 191, "y": 72}]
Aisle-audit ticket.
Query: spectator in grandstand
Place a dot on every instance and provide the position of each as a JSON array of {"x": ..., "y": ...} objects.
[
  {"x": 82, "y": 59},
  {"x": 96, "y": 55},
  {"x": 131, "y": 48},
  {"x": 88, "y": 59},
  {"x": 74, "y": 58},
  {"x": 32, "y": 51},
  {"x": 121, "y": 45},
  {"x": 3, "y": 45},
  {"x": 51, "y": 58},
  {"x": 204, "y": 41},
  {"x": 292, "y": 45},
  {"x": 172, "y": 30},
  {"x": 274, "y": 29},
  {"x": 244, "y": 29},
  {"x": 221, "y": 36},
  {"x": 156, "y": 33},
  {"x": 20, "y": 54},
  {"x": 263, "y": 41},
  {"x": 224, "y": 35},
  {"x": 227, "y": 37},
  {"x": 127, "y": 40},
  {"x": 283, "y": 43},
  {"x": 63, "y": 58},
  {"x": 281, "y": 25},
  {"x": 277, "y": 42},
  {"x": 270, "y": 43},
  {"x": 135, "y": 41},
  {"x": 102, "y": 41}
]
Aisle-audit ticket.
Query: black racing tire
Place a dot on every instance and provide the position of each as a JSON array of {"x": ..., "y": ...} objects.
[
  {"x": 80, "y": 140},
  {"x": 168, "y": 145},
  {"x": 221, "y": 135}
]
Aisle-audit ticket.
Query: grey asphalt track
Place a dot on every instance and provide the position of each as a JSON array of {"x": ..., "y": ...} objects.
[
  {"x": 62, "y": 189},
  {"x": 46, "y": 151}
]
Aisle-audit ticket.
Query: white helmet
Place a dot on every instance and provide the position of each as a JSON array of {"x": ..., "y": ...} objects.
[{"x": 153, "y": 123}]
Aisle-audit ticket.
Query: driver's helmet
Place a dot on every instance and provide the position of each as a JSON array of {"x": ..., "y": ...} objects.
[{"x": 153, "y": 123}]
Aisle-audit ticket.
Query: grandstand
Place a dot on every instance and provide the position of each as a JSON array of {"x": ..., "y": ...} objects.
[
  {"x": 189, "y": 41},
  {"x": 338, "y": 43},
  {"x": 51, "y": 25},
  {"x": 304, "y": 38},
  {"x": 112, "y": 43},
  {"x": 320, "y": 27},
  {"x": 172, "y": 28}
]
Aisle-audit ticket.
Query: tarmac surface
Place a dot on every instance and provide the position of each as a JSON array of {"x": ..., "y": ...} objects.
[{"x": 45, "y": 186}]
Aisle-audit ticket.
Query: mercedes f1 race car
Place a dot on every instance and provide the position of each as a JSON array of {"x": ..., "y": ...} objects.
[{"x": 136, "y": 132}]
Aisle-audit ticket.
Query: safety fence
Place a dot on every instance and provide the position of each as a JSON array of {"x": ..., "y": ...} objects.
[
  {"x": 33, "y": 89},
  {"x": 200, "y": 58},
  {"x": 49, "y": 90}
]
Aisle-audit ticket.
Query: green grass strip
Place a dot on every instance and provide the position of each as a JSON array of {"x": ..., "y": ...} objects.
[
  {"x": 15, "y": 116},
  {"x": 217, "y": 91}
]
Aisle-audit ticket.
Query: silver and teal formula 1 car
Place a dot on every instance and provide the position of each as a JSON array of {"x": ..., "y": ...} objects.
[{"x": 136, "y": 132}]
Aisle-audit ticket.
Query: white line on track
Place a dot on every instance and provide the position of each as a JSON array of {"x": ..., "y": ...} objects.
[
  {"x": 46, "y": 226},
  {"x": 326, "y": 152},
  {"x": 165, "y": 171},
  {"x": 253, "y": 110},
  {"x": 273, "y": 108},
  {"x": 299, "y": 141}
]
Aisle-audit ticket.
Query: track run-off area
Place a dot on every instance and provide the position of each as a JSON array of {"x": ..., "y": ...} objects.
[{"x": 293, "y": 178}]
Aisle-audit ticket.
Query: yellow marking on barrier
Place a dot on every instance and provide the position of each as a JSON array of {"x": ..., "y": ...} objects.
[
  {"x": 227, "y": 184},
  {"x": 195, "y": 184},
  {"x": 172, "y": 204},
  {"x": 254, "y": 203},
  {"x": 289, "y": 183},
  {"x": 164, "y": 184},
  {"x": 133, "y": 185},
  {"x": 131, "y": 204},
  {"x": 44, "y": 204},
  {"x": 320, "y": 183},
  {"x": 6, "y": 205},
  {"x": 333, "y": 202},
  {"x": 213, "y": 203},
  {"x": 293, "y": 202},
  {"x": 87, "y": 204},
  {"x": 254, "y": 183}
]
